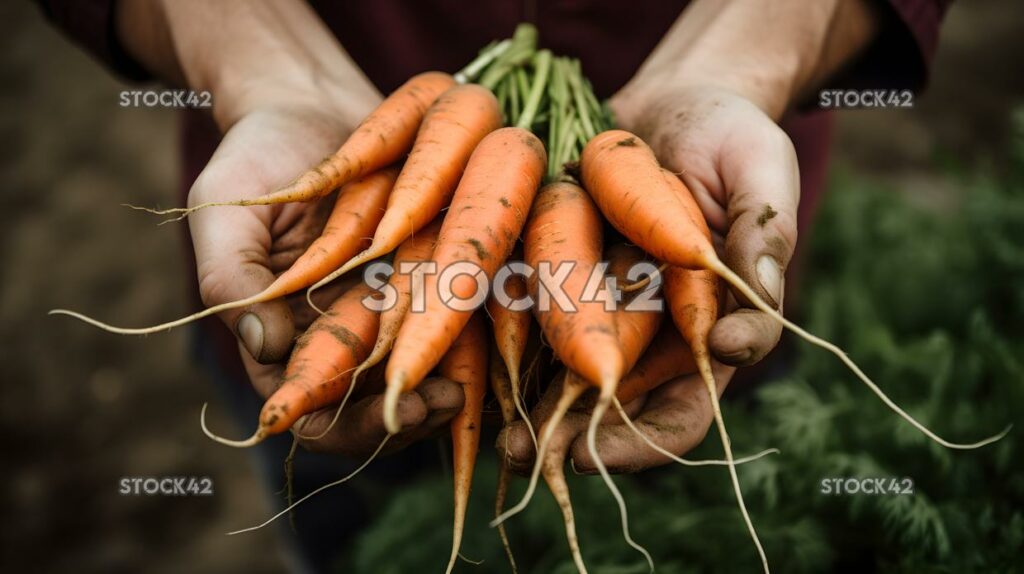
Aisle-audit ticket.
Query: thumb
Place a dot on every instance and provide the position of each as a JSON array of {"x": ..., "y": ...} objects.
[
  {"x": 232, "y": 246},
  {"x": 762, "y": 184}
]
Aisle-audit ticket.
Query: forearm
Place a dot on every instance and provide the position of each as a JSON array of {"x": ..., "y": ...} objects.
[
  {"x": 773, "y": 53},
  {"x": 248, "y": 55}
]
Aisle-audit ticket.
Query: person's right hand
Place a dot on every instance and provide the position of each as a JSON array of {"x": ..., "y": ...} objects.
[
  {"x": 286, "y": 95},
  {"x": 240, "y": 250}
]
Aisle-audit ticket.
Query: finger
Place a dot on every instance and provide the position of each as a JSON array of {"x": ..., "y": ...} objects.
[
  {"x": 744, "y": 337},
  {"x": 360, "y": 428},
  {"x": 443, "y": 399},
  {"x": 677, "y": 417},
  {"x": 514, "y": 442},
  {"x": 294, "y": 234},
  {"x": 232, "y": 257},
  {"x": 265, "y": 378},
  {"x": 762, "y": 184}
]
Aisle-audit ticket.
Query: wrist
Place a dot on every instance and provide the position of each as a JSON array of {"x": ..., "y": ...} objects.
[
  {"x": 248, "y": 56},
  {"x": 771, "y": 54}
]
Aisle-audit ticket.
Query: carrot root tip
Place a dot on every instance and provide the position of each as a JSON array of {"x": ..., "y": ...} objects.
[{"x": 255, "y": 439}]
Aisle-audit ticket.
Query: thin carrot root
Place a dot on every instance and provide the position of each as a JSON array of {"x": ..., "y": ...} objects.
[
  {"x": 683, "y": 461},
  {"x": 256, "y": 438},
  {"x": 733, "y": 279},
  {"x": 317, "y": 491},
  {"x": 569, "y": 396},
  {"x": 499, "y": 505},
  {"x": 607, "y": 394},
  {"x": 367, "y": 255},
  {"x": 554, "y": 475},
  {"x": 289, "y": 480},
  {"x": 517, "y": 400},
  {"x": 161, "y": 327},
  {"x": 704, "y": 366},
  {"x": 341, "y": 405},
  {"x": 643, "y": 282},
  {"x": 456, "y": 543},
  {"x": 184, "y": 211}
]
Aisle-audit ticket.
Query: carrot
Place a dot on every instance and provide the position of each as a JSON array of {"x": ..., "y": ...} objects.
[
  {"x": 635, "y": 330},
  {"x": 380, "y": 140},
  {"x": 319, "y": 370},
  {"x": 358, "y": 209},
  {"x": 553, "y": 462},
  {"x": 565, "y": 229},
  {"x": 666, "y": 358},
  {"x": 466, "y": 364},
  {"x": 511, "y": 334},
  {"x": 501, "y": 385},
  {"x": 693, "y": 295},
  {"x": 485, "y": 219},
  {"x": 622, "y": 174},
  {"x": 451, "y": 130},
  {"x": 415, "y": 249}
]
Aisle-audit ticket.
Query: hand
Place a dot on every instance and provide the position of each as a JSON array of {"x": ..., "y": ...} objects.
[
  {"x": 239, "y": 250},
  {"x": 742, "y": 169},
  {"x": 707, "y": 101}
]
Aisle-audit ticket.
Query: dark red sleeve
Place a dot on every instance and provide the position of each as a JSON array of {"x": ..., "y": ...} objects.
[
  {"x": 903, "y": 52},
  {"x": 90, "y": 24}
]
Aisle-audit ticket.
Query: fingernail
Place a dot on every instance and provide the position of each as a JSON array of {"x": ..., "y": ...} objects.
[
  {"x": 769, "y": 274},
  {"x": 250, "y": 331}
]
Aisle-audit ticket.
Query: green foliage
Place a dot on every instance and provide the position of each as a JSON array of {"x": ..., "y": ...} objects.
[{"x": 931, "y": 303}]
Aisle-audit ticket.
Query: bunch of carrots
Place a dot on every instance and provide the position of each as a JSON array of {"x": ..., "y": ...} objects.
[{"x": 513, "y": 157}]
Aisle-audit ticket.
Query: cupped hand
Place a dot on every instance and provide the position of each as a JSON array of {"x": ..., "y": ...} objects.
[
  {"x": 742, "y": 169},
  {"x": 240, "y": 250}
]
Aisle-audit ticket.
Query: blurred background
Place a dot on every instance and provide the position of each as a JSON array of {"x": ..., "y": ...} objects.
[{"x": 916, "y": 267}]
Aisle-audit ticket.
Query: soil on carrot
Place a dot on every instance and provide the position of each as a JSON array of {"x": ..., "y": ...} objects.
[{"x": 767, "y": 214}]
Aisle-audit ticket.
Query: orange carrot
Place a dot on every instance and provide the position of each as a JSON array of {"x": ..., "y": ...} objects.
[
  {"x": 636, "y": 329},
  {"x": 565, "y": 229},
  {"x": 480, "y": 230},
  {"x": 666, "y": 358},
  {"x": 319, "y": 370},
  {"x": 621, "y": 173},
  {"x": 380, "y": 140},
  {"x": 451, "y": 130},
  {"x": 358, "y": 209},
  {"x": 466, "y": 364},
  {"x": 415, "y": 249},
  {"x": 512, "y": 334},
  {"x": 693, "y": 295}
]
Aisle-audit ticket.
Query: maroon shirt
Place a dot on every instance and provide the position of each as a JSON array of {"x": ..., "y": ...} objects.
[{"x": 392, "y": 40}]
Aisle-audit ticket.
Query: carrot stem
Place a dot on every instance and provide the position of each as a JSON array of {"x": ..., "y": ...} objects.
[
  {"x": 542, "y": 69},
  {"x": 490, "y": 53}
]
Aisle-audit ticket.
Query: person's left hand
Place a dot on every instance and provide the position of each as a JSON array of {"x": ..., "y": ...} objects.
[{"x": 742, "y": 169}]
